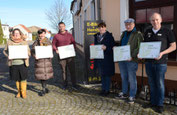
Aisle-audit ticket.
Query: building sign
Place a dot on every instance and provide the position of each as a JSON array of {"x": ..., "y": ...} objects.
[{"x": 90, "y": 28}]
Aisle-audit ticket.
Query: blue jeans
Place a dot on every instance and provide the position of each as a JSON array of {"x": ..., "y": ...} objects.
[
  {"x": 156, "y": 76},
  {"x": 105, "y": 80},
  {"x": 128, "y": 75}
]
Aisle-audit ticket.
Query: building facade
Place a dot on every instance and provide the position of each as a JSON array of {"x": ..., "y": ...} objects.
[
  {"x": 5, "y": 29},
  {"x": 112, "y": 12}
]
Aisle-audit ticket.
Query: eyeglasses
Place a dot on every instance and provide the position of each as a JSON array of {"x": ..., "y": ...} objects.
[{"x": 129, "y": 24}]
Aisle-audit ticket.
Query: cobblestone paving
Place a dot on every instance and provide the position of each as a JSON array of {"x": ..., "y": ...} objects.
[{"x": 84, "y": 101}]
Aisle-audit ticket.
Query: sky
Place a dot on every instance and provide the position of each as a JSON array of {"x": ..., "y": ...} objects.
[{"x": 27, "y": 12}]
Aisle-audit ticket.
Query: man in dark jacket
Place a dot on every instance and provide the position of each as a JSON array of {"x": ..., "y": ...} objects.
[
  {"x": 64, "y": 38},
  {"x": 156, "y": 68}
]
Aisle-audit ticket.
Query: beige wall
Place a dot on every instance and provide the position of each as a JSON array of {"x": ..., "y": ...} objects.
[{"x": 110, "y": 13}]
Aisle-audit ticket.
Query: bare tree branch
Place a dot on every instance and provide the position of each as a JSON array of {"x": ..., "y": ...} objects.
[{"x": 57, "y": 13}]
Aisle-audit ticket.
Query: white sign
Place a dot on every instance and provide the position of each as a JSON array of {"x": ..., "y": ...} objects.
[
  {"x": 121, "y": 53},
  {"x": 66, "y": 51},
  {"x": 149, "y": 50},
  {"x": 43, "y": 52},
  {"x": 18, "y": 51},
  {"x": 96, "y": 52}
]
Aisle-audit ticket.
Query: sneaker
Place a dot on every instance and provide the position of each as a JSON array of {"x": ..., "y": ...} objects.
[
  {"x": 121, "y": 95},
  {"x": 75, "y": 87},
  {"x": 102, "y": 92},
  {"x": 64, "y": 87},
  {"x": 106, "y": 93},
  {"x": 149, "y": 105},
  {"x": 47, "y": 90},
  {"x": 159, "y": 109},
  {"x": 42, "y": 93},
  {"x": 131, "y": 100}
]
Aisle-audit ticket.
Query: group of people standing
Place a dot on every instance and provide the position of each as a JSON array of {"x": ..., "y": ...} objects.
[
  {"x": 155, "y": 68},
  {"x": 43, "y": 67}
]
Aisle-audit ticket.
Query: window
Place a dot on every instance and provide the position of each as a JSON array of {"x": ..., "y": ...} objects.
[
  {"x": 140, "y": 0},
  {"x": 143, "y": 15}
]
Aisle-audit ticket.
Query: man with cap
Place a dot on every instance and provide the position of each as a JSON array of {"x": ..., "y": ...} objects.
[
  {"x": 156, "y": 68},
  {"x": 129, "y": 67}
]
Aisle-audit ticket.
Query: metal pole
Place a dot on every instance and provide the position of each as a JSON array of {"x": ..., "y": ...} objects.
[{"x": 142, "y": 79}]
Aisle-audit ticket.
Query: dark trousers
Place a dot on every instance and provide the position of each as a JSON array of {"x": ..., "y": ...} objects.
[
  {"x": 43, "y": 83},
  {"x": 71, "y": 66},
  {"x": 105, "y": 79},
  {"x": 156, "y": 77},
  {"x": 18, "y": 72}
]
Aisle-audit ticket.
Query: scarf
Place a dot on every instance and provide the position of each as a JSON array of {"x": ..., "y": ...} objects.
[
  {"x": 16, "y": 40},
  {"x": 126, "y": 37},
  {"x": 100, "y": 37},
  {"x": 43, "y": 42}
]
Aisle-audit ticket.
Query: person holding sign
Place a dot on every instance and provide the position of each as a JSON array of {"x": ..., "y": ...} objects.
[
  {"x": 128, "y": 68},
  {"x": 156, "y": 68},
  {"x": 63, "y": 38},
  {"x": 43, "y": 66},
  {"x": 105, "y": 66},
  {"x": 18, "y": 66}
]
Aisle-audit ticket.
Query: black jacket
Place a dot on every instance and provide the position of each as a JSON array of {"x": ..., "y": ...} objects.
[{"x": 107, "y": 64}]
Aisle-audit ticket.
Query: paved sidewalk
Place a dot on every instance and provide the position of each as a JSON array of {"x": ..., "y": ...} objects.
[{"x": 84, "y": 101}]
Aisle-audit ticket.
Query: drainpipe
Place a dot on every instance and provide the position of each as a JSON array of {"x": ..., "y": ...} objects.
[
  {"x": 99, "y": 9},
  {"x": 73, "y": 24}
]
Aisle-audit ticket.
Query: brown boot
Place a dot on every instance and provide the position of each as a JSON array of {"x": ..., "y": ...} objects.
[
  {"x": 18, "y": 88},
  {"x": 23, "y": 88}
]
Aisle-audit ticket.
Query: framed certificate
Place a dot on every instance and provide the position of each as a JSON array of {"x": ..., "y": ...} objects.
[
  {"x": 66, "y": 51},
  {"x": 121, "y": 53},
  {"x": 18, "y": 51},
  {"x": 43, "y": 52},
  {"x": 96, "y": 52},
  {"x": 149, "y": 50}
]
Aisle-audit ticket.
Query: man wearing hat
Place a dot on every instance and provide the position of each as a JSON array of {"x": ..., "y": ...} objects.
[{"x": 128, "y": 68}]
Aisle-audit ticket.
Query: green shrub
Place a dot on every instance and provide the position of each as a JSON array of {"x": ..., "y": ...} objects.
[
  {"x": 34, "y": 37},
  {"x": 3, "y": 41}
]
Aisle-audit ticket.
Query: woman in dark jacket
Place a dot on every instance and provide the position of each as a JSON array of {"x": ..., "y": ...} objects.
[
  {"x": 43, "y": 67},
  {"x": 105, "y": 66}
]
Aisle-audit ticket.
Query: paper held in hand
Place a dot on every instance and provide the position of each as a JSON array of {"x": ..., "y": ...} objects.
[
  {"x": 18, "y": 51},
  {"x": 66, "y": 51},
  {"x": 43, "y": 52},
  {"x": 96, "y": 52},
  {"x": 121, "y": 53},
  {"x": 149, "y": 50}
]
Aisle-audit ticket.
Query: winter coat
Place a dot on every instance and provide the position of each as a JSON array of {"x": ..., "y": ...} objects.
[
  {"x": 107, "y": 64},
  {"x": 43, "y": 67}
]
